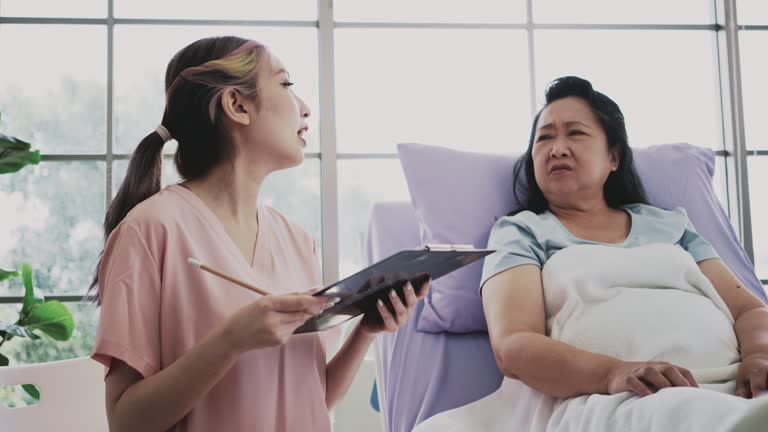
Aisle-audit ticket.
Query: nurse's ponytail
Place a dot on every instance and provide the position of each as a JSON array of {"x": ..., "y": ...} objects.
[{"x": 142, "y": 180}]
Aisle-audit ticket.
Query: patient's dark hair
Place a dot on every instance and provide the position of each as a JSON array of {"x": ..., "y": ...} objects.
[{"x": 622, "y": 186}]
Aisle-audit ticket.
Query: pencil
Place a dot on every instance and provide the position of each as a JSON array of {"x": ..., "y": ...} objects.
[{"x": 200, "y": 265}]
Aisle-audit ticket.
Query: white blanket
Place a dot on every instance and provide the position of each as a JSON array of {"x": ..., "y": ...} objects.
[{"x": 639, "y": 304}]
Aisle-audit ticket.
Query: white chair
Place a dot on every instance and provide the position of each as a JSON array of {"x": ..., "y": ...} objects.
[{"x": 71, "y": 397}]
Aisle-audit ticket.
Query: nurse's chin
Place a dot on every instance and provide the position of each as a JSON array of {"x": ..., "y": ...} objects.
[{"x": 291, "y": 160}]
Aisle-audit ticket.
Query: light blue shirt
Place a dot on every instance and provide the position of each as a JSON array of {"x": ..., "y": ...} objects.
[{"x": 528, "y": 238}]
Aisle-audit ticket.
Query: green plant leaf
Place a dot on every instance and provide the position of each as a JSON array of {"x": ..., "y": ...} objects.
[
  {"x": 8, "y": 274},
  {"x": 32, "y": 391},
  {"x": 12, "y": 143},
  {"x": 4, "y": 334},
  {"x": 4, "y": 360},
  {"x": 51, "y": 318},
  {"x": 31, "y": 296},
  {"x": 20, "y": 331},
  {"x": 15, "y": 154}
]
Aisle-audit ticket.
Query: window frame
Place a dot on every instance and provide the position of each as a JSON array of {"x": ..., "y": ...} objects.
[{"x": 733, "y": 154}]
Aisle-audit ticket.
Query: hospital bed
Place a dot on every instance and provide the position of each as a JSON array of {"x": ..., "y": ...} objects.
[{"x": 422, "y": 374}]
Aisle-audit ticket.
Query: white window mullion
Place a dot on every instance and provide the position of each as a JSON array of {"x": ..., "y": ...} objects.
[{"x": 328, "y": 173}]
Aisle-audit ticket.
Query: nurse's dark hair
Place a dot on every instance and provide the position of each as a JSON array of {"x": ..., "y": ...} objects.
[
  {"x": 195, "y": 79},
  {"x": 622, "y": 186}
]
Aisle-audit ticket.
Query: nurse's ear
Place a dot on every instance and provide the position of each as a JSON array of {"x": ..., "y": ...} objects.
[{"x": 236, "y": 107}]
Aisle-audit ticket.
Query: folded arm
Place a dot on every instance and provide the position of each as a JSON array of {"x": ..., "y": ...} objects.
[
  {"x": 751, "y": 326},
  {"x": 514, "y": 307}
]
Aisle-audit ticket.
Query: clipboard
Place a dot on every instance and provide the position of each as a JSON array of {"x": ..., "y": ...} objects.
[{"x": 359, "y": 292}]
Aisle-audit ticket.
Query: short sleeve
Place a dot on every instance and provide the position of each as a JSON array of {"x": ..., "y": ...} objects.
[
  {"x": 515, "y": 245},
  {"x": 694, "y": 243},
  {"x": 129, "y": 290}
]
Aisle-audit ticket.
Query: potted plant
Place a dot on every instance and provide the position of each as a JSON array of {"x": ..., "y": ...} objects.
[{"x": 37, "y": 315}]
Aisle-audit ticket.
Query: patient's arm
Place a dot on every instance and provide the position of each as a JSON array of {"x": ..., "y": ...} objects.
[
  {"x": 514, "y": 307},
  {"x": 751, "y": 326}
]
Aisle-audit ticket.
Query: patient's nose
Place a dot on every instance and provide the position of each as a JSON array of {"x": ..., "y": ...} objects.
[{"x": 559, "y": 149}]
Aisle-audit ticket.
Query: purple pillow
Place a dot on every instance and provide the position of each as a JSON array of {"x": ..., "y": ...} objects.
[{"x": 457, "y": 196}]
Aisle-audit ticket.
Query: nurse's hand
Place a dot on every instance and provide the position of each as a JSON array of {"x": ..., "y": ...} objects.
[
  {"x": 271, "y": 320},
  {"x": 393, "y": 312}
]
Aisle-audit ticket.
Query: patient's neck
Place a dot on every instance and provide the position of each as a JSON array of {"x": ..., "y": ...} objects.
[
  {"x": 594, "y": 221},
  {"x": 583, "y": 212}
]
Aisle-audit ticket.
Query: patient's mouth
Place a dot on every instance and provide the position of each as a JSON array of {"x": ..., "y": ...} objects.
[{"x": 560, "y": 169}]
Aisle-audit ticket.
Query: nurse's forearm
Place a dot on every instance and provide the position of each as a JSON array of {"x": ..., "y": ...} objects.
[
  {"x": 160, "y": 401},
  {"x": 341, "y": 370},
  {"x": 752, "y": 331}
]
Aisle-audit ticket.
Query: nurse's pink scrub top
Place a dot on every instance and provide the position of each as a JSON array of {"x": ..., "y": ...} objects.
[{"x": 156, "y": 306}]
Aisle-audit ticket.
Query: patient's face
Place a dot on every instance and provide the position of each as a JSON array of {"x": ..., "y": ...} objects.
[{"x": 571, "y": 160}]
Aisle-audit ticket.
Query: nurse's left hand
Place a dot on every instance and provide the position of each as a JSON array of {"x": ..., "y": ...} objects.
[
  {"x": 390, "y": 319},
  {"x": 752, "y": 378}
]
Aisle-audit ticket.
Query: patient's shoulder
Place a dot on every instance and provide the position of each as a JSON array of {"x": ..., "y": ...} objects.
[
  {"x": 525, "y": 221},
  {"x": 649, "y": 211},
  {"x": 525, "y": 228},
  {"x": 658, "y": 224},
  {"x": 519, "y": 237}
]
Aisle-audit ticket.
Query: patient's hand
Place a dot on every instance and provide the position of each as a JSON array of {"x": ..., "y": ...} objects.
[
  {"x": 645, "y": 378},
  {"x": 752, "y": 376}
]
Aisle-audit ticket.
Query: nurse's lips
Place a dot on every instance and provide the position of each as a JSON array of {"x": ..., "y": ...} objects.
[{"x": 301, "y": 133}]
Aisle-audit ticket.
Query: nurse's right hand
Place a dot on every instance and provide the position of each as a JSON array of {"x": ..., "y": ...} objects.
[{"x": 271, "y": 320}]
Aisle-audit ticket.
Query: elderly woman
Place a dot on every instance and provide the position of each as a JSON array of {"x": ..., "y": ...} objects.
[{"x": 611, "y": 313}]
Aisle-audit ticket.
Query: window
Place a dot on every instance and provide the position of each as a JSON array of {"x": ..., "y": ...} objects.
[
  {"x": 623, "y": 12},
  {"x": 755, "y": 91},
  {"x": 362, "y": 183},
  {"x": 758, "y": 176},
  {"x": 752, "y": 12},
  {"x": 61, "y": 109},
  {"x": 222, "y": 10},
  {"x": 665, "y": 97},
  {"x": 754, "y": 70},
  {"x": 54, "y": 8},
  {"x": 142, "y": 53},
  {"x": 441, "y": 11},
  {"x": 431, "y": 85}
]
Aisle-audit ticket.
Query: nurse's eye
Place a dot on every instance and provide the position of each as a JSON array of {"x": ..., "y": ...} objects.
[{"x": 287, "y": 84}]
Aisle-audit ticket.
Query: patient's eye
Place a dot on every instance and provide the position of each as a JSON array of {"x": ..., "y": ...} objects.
[
  {"x": 576, "y": 132},
  {"x": 543, "y": 138}
]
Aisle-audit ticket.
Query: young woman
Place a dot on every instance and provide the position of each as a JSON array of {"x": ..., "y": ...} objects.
[{"x": 185, "y": 350}]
